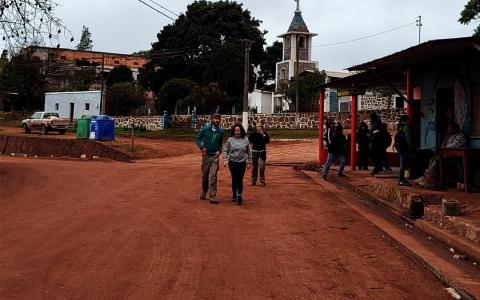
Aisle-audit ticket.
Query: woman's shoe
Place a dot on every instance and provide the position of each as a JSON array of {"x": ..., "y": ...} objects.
[{"x": 239, "y": 200}]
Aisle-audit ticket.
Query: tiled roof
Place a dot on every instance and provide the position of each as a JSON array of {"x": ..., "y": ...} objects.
[{"x": 298, "y": 24}]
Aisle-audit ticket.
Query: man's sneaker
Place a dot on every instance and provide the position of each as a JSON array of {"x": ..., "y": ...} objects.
[
  {"x": 239, "y": 200},
  {"x": 234, "y": 199},
  {"x": 262, "y": 184},
  {"x": 254, "y": 183},
  {"x": 388, "y": 170},
  {"x": 404, "y": 183},
  {"x": 213, "y": 200},
  {"x": 203, "y": 196}
]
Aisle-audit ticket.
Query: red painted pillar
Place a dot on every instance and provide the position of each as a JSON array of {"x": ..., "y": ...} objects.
[
  {"x": 409, "y": 94},
  {"x": 321, "y": 102},
  {"x": 353, "y": 144}
]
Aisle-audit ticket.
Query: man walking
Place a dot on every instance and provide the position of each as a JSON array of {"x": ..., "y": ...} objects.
[
  {"x": 258, "y": 139},
  {"x": 209, "y": 140},
  {"x": 336, "y": 149}
]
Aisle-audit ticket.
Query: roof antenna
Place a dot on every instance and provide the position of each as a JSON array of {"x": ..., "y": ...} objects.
[{"x": 419, "y": 24}]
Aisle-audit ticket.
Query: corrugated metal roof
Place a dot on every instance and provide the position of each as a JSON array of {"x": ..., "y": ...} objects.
[{"x": 425, "y": 52}]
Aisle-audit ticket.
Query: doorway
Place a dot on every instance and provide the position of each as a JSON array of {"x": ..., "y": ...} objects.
[
  {"x": 72, "y": 110},
  {"x": 445, "y": 112}
]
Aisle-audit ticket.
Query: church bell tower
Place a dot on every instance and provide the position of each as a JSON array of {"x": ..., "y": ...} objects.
[{"x": 297, "y": 48}]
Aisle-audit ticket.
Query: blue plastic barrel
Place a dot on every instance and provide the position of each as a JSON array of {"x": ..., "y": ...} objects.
[{"x": 102, "y": 128}]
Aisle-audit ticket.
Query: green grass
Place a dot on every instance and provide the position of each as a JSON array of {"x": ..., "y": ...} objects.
[{"x": 188, "y": 135}]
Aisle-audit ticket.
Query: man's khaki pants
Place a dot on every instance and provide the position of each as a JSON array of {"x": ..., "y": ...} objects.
[{"x": 209, "y": 171}]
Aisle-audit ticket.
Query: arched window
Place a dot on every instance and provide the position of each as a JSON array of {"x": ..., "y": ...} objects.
[
  {"x": 283, "y": 73},
  {"x": 287, "y": 42},
  {"x": 301, "y": 41}
]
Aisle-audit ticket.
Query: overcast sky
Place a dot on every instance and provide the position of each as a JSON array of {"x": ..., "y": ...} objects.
[{"x": 125, "y": 26}]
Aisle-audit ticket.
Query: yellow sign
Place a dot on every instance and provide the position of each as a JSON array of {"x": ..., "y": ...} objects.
[{"x": 350, "y": 92}]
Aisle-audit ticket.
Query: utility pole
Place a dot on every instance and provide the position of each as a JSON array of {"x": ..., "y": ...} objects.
[
  {"x": 102, "y": 101},
  {"x": 419, "y": 24},
  {"x": 245, "y": 85},
  {"x": 297, "y": 117}
]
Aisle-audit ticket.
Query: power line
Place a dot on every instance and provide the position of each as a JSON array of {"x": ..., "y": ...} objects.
[
  {"x": 194, "y": 27},
  {"x": 157, "y": 10},
  {"x": 366, "y": 37},
  {"x": 156, "y": 3}
]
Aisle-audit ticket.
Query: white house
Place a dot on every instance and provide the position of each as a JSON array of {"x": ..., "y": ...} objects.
[
  {"x": 73, "y": 105},
  {"x": 261, "y": 101}
]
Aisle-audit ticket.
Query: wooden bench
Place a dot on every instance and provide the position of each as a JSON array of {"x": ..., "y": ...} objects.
[{"x": 466, "y": 154}]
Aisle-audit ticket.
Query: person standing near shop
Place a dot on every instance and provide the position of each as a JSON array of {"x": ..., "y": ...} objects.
[
  {"x": 403, "y": 144},
  {"x": 377, "y": 143},
  {"x": 363, "y": 142},
  {"x": 259, "y": 139},
  {"x": 237, "y": 155},
  {"x": 209, "y": 140}
]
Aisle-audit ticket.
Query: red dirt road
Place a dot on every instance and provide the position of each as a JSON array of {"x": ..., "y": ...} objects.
[{"x": 110, "y": 230}]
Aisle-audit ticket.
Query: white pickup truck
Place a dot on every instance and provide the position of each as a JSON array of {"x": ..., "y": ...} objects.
[{"x": 45, "y": 122}]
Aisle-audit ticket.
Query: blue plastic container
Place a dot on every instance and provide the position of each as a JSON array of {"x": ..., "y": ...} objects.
[{"x": 102, "y": 128}]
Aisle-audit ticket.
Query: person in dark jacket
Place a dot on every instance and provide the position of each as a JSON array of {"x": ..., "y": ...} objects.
[
  {"x": 387, "y": 137},
  {"x": 210, "y": 140},
  {"x": 336, "y": 150},
  {"x": 377, "y": 143},
  {"x": 328, "y": 131},
  {"x": 363, "y": 142},
  {"x": 258, "y": 140},
  {"x": 403, "y": 144}
]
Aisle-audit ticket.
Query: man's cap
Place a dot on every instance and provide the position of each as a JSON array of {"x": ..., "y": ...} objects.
[{"x": 216, "y": 115}]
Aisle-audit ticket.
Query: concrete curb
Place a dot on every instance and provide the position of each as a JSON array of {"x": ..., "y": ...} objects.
[
  {"x": 448, "y": 240},
  {"x": 444, "y": 239}
]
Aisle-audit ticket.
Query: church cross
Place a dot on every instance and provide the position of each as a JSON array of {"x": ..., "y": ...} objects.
[{"x": 298, "y": 5}]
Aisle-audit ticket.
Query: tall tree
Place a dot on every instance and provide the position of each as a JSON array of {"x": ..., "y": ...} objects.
[
  {"x": 86, "y": 42},
  {"x": 173, "y": 91},
  {"x": 471, "y": 12},
  {"x": 30, "y": 22},
  {"x": 23, "y": 76},
  {"x": 124, "y": 98},
  {"x": 308, "y": 90},
  {"x": 268, "y": 64},
  {"x": 206, "y": 45},
  {"x": 119, "y": 74}
]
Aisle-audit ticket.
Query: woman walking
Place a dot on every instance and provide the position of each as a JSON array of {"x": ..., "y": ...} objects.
[{"x": 237, "y": 155}]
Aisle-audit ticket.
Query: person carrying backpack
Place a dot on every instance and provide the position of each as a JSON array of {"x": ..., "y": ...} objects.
[{"x": 403, "y": 145}]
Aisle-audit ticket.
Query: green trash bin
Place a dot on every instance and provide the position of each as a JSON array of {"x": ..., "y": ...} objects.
[{"x": 83, "y": 127}]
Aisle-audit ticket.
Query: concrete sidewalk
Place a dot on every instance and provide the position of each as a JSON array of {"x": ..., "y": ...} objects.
[
  {"x": 449, "y": 250},
  {"x": 461, "y": 233}
]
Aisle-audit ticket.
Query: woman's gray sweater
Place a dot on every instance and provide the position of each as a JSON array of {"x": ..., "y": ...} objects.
[{"x": 237, "y": 150}]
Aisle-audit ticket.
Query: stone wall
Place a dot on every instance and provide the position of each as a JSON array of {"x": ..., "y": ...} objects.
[
  {"x": 153, "y": 123},
  {"x": 271, "y": 121},
  {"x": 372, "y": 101}
]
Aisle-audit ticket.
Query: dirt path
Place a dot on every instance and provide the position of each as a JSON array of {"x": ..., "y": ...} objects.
[{"x": 109, "y": 230}]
